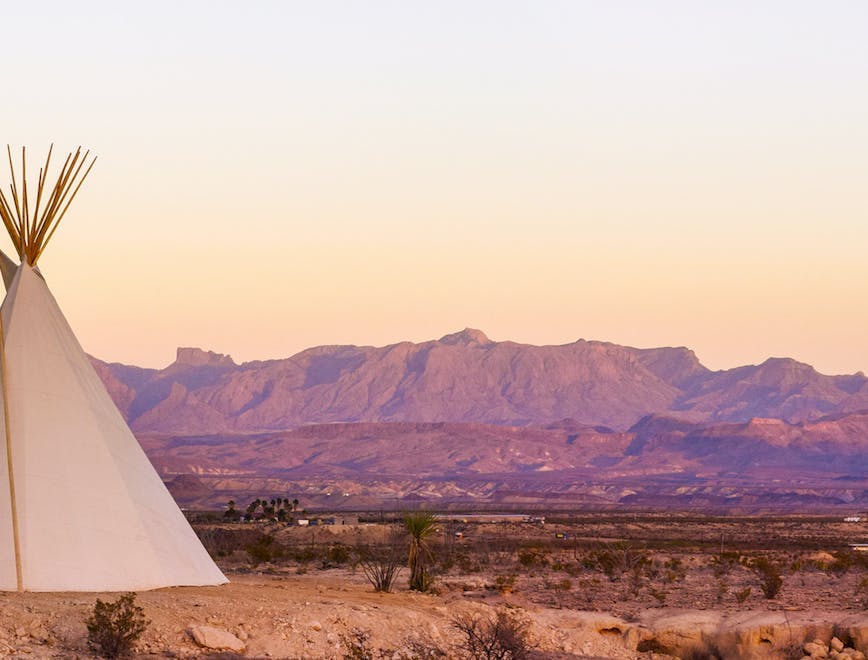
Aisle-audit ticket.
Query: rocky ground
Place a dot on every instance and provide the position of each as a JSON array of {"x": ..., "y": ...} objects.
[
  {"x": 313, "y": 616},
  {"x": 650, "y": 587}
]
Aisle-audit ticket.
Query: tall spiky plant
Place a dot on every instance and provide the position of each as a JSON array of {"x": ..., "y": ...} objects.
[{"x": 420, "y": 525}]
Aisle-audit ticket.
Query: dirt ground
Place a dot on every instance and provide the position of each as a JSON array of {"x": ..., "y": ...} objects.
[
  {"x": 606, "y": 589},
  {"x": 287, "y": 616}
]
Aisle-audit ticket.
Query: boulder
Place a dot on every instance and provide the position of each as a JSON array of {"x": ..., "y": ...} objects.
[
  {"x": 766, "y": 634},
  {"x": 816, "y": 649},
  {"x": 681, "y": 632},
  {"x": 855, "y": 628},
  {"x": 215, "y": 639}
]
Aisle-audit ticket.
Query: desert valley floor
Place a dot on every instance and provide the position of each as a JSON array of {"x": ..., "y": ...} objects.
[{"x": 637, "y": 586}]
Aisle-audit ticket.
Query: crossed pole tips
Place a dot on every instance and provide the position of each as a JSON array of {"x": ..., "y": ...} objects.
[{"x": 31, "y": 226}]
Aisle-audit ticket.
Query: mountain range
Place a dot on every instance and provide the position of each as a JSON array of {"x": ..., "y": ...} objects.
[
  {"x": 465, "y": 418},
  {"x": 465, "y": 377}
]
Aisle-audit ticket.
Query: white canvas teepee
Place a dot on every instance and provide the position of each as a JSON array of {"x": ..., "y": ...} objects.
[{"x": 81, "y": 507}]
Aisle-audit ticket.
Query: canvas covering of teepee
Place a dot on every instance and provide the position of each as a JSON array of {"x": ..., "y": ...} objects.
[{"x": 81, "y": 506}]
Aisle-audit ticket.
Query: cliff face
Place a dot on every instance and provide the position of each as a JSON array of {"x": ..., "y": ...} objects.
[{"x": 464, "y": 377}]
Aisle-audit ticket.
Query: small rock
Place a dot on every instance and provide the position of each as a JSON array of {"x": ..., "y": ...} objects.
[
  {"x": 836, "y": 644},
  {"x": 214, "y": 638},
  {"x": 815, "y": 649},
  {"x": 316, "y": 625}
]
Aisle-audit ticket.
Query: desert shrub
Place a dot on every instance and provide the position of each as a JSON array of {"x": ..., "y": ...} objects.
[
  {"x": 560, "y": 587},
  {"x": 264, "y": 549},
  {"x": 724, "y": 562},
  {"x": 505, "y": 583},
  {"x": 846, "y": 560},
  {"x": 862, "y": 592},
  {"x": 503, "y": 637},
  {"x": 769, "y": 575},
  {"x": 616, "y": 559},
  {"x": 336, "y": 554},
  {"x": 675, "y": 570},
  {"x": 446, "y": 563},
  {"x": 417, "y": 648},
  {"x": 467, "y": 564},
  {"x": 743, "y": 594},
  {"x": 658, "y": 594},
  {"x": 563, "y": 584},
  {"x": 114, "y": 628},
  {"x": 722, "y": 589},
  {"x": 222, "y": 542},
  {"x": 304, "y": 555},
  {"x": 531, "y": 557},
  {"x": 381, "y": 565}
]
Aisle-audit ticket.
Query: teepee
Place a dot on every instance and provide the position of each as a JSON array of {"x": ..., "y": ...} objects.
[{"x": 81, "y": 507}]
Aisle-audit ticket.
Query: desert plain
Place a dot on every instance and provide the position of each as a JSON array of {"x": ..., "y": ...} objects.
[{"x": 582, "y": 585}]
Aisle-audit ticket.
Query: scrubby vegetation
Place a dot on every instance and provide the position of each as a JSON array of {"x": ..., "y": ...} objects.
[
  {"x": 380, "y": 564},
  {"x": 114, "y": 627},
  {"x": 501, "y": 637},
  {"x": 770, "y": 576},
  {"x": 614, "y": 563}
]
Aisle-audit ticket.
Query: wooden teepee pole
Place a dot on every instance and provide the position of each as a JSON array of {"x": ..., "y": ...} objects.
[
  {"x": 16, "y": 539},
  {"x": 32, "y": 228}
]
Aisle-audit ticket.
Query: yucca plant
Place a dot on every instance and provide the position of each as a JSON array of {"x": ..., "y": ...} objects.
[{"x": 420, "y": 525}]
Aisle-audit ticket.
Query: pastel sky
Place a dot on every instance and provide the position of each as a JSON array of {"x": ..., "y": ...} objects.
[{"x": 278, "y": 175}]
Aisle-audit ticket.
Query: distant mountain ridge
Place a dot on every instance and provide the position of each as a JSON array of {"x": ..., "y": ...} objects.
[
  {"x": 466, "y": 378},
  {"x": 661, "y": 463}
]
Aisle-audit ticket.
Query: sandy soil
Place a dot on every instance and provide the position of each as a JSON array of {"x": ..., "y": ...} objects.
[
  {"x": 286, "y": 616},
  {"x": 308, "y": 616},
  {"x": 299, "y": 609}
]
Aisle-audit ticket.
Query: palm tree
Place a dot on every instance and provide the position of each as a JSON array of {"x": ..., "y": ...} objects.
[{"x": 420, "y": 525}]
